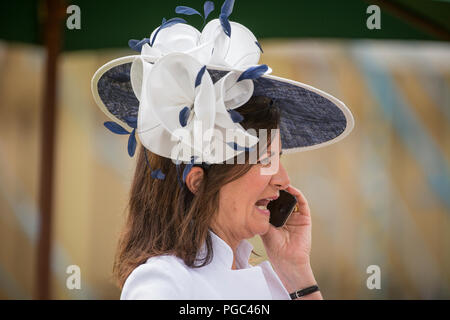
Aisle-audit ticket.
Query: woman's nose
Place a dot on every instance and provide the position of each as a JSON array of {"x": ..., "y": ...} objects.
[{"x": 281, "y": 178}]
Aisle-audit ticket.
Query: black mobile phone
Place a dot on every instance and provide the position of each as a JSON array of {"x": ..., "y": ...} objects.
[{"x": 281, "y": 209}]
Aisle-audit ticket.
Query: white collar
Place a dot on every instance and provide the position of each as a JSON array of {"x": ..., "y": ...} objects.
[{"x": 223, "y": 254}]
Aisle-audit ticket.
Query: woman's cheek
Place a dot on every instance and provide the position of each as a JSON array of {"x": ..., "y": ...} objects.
[{"x": 261, "y": 179}]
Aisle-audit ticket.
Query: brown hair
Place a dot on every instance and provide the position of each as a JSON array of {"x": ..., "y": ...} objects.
[{"x": 166, "y": 219}]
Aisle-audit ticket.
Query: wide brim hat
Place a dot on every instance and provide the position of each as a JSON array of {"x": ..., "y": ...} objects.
[{"x": 310, "y": 118}]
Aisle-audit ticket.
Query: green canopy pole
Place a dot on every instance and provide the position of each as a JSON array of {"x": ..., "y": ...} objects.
[{"x": 53, "y": 11}]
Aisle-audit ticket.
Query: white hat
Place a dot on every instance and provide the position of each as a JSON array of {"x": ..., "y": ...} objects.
[{"x": 182, "y": 93}]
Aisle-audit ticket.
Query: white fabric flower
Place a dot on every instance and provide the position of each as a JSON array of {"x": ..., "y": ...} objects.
[
  {"x": 174, "y": 86},
  {"x": 211, "y": 47},
  {"x": 238, "y": 51}
]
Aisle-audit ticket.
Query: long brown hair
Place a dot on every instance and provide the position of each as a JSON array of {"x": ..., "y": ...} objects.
[{"x": 166, "y": 219}]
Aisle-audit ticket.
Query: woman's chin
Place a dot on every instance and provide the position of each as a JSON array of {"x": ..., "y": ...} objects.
[
  {"x": 262, "y": 228},
  {"x": 261, "y": 224}
]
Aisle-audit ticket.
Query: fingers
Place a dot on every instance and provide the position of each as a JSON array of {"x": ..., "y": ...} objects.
[
  {"x": 302, "y": 203},
  {"x": 298, "y": 194}
]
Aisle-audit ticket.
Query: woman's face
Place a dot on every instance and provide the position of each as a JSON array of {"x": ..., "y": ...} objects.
[{"x": 239, "y": 216}]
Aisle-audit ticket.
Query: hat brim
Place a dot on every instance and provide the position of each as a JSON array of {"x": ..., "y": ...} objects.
[{"x": 310, "y": 118}]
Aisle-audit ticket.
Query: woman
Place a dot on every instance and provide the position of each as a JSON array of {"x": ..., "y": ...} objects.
[
  {"x": 221, "y": 199},
  {"x": 189, "y": 216}
]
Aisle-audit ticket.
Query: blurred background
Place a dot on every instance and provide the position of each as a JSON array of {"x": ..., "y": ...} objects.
[{"x": 379, "y": 197}]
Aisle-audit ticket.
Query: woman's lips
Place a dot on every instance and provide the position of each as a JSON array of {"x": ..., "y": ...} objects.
[
  {"x": 261, "y": 205},
  {"x": 262, "y": 209}
]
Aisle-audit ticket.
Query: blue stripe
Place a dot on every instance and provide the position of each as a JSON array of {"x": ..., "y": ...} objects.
[
  {"x": 390, "y": 212},
  {"x": 396, "y": 110}
]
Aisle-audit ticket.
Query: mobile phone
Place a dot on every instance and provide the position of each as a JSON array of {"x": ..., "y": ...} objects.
[{"x": 281, "y": 209}]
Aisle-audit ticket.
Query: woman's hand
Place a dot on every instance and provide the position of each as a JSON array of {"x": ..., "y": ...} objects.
[{"x": 289, "y": 247}]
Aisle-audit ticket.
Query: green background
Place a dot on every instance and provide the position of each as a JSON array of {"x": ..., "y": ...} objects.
[{"x": 110, "y": 24}]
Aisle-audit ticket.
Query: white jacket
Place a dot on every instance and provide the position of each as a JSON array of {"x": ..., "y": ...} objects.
[{"x": 167, "y": 277}]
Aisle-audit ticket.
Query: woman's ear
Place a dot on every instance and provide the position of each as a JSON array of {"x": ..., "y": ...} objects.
[{"x": 194, "y": 179}]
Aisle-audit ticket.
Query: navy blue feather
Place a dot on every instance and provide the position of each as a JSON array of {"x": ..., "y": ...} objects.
[
  {"x": 184, "y": 116},
  {"x": 187, "y": 11},
  {"x": 225, "y": 24},
  {"x": 237, "y": 147},
  {"x": 208, "y": 7},
  {"x": 227, "y": 8},
  {"x": 158, "y": 174},
  {"x": 155, "y": 174},
  {"x": 132, "y": 44},
  {"x": 235, "y": 116},
  {"x": 115, "y": 128},
  {"x": 253, "y": 72},
  {"x": 136, "y": 45},
  {"x": 259, "y": 46},
  {"x": 132, "y": 143},
  {"x": 199, "y": 77},
  {"x": 154, "y": 37},
  {"x": 172, "y": 21},
  {"x": 118, "y": 129}
]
